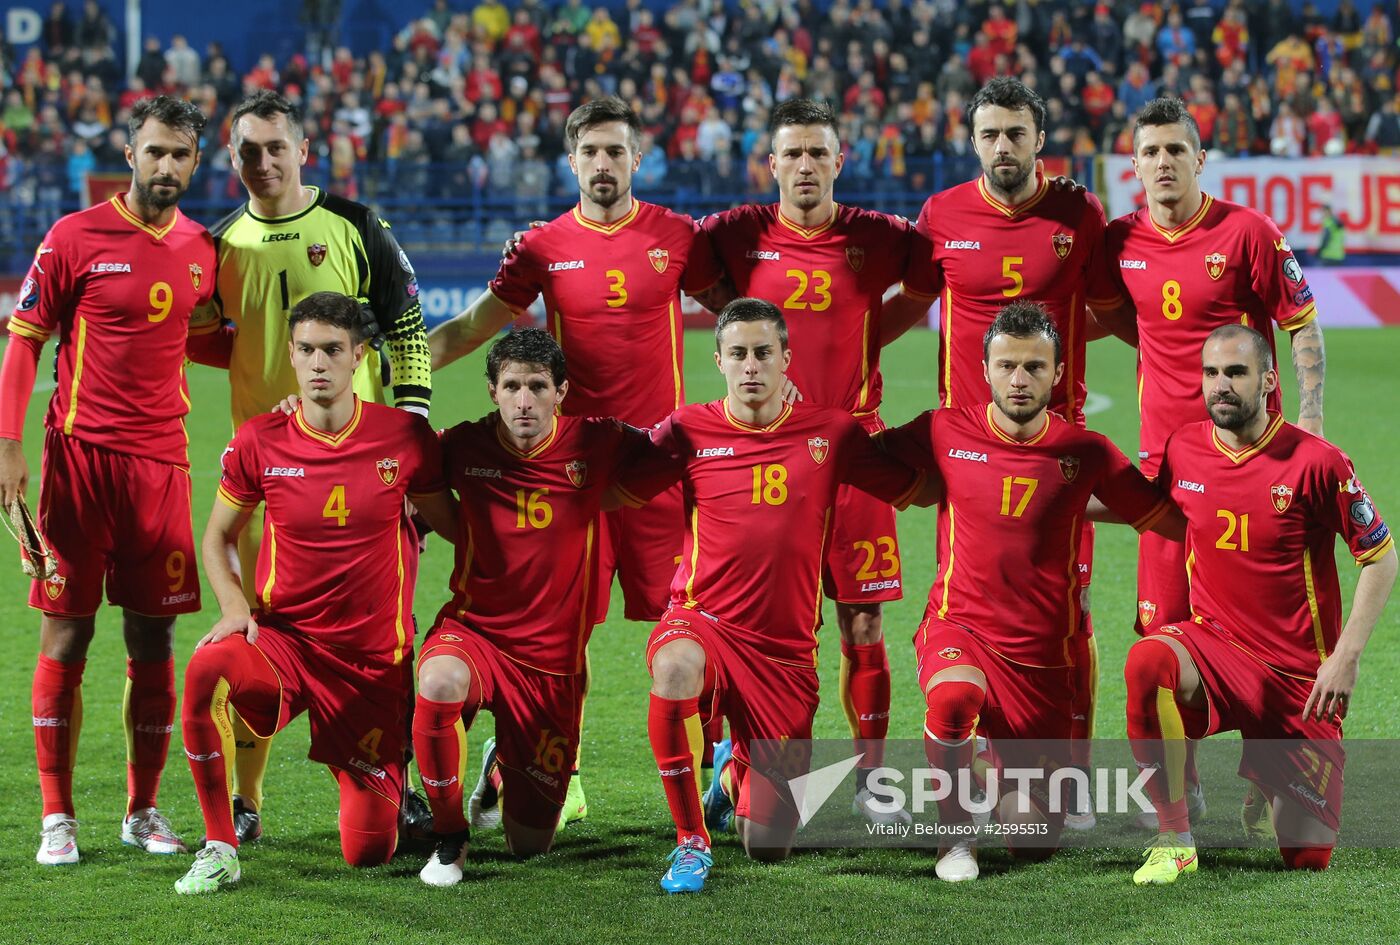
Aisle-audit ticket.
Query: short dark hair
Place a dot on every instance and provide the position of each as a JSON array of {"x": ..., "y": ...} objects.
[
  {"x": 526, "y": 346},
  {"x": 1022, "y": 320},
  {"x": 174, "y": 113},
  {"x": 600, "y": 111},
  {"x": 751, "y": 310},
  {"x": 267, "y": 105},
  {"x": 1010, "y": 93},
  {"x": 330, "y": 308},
  {"x": 1166, "y": 111},
  {"x": 1263, "y": 354},
  {"x": 803, "y": 111}
]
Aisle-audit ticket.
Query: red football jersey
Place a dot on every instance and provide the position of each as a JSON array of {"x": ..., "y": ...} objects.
[
  {"x": 759, "y": 504},
  {"x": 1227, "y": 264},
  {"x": 119, "y": 293},
  {"x": 613, "y": 298},
  {"x": 987, "y": 254},
  {"x": 1010, "y": 521},
  {"x": 829, "y": 281},
  {"x": 1263, "y": 522},
  {"x": 526, "y": 570},
  {"x": 338, "y": 556}
]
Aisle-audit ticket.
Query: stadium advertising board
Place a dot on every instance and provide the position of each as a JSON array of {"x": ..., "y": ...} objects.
[{"x": 1364, "y": 190}]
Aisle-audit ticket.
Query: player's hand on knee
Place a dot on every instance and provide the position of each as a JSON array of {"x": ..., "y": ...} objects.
[
  {"x": 791, "y": 394},
  {"x": 287, "y": 405},
  {"x": 1331, "y": 693},
  {"x": 14, "y": 471},
  {"x": 230, "y": 625}
]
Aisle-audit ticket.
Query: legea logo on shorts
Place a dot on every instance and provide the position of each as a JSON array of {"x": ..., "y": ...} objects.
[
  {"x": 431, "y": 783},
  {"x": 368, "y": 768}
]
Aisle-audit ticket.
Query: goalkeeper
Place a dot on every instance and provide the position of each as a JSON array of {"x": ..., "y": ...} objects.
[{"x": 287, "y": 242}]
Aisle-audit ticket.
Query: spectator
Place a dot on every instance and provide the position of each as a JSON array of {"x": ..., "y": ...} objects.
[
  {"x": 1200, "y": 17},
  {"x": 1383, "y": 130},
  {"x": 1097, "y": 99},
  {"x": 80, "y": 164},
  {"x": 94, "y": 30},
  {"x": 1288, "y": 134},
  {"x": 1176, "y": 43},
  {"x": 1325, "y": 134},
  {"x": 57, "y": 35},
  {"x": 1231, "y": 38},
  {"x": 1137, "y": 88},
  {"x": 185, "y": 62},
  {"x": 1234, "y": 130},
  {"x": 491, "y": 20},
  {"x": 152, "y": 64},
  {"x": 1106, "y": 37}
]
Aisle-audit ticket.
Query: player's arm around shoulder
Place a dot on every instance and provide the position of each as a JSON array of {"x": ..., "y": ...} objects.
[
  {"x": 868, "y": 467},
  {"x": 1124, "y": 496},
  {"x": 648, "y": 462}
]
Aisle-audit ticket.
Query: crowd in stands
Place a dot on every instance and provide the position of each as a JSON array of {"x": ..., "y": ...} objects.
[{"x": 471, "y": 98}]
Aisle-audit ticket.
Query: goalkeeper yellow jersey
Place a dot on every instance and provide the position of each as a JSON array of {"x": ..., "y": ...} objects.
[{"x": 268, "y": 265}]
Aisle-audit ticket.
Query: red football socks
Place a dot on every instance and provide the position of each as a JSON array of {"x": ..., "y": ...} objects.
[
  {"x": 58, "y": 714},
  {"x": 440, "y": 746},
  {"x": 148, "y": 712},
  {"x": 1156, "y": 730},
  {"x": 865, "y": 695},
  {"x": 676, "y": 734}
]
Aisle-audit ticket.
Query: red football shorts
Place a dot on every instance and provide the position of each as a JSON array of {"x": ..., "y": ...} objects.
[
  {"x": 537, "y": 722},
  {"x": 1298, "y": 759},
  {"x": 642, "y": 547},
  {"x": 763, "y": 700},
  {"x": 1163, "y": 591},
  {"x": 358, "y": 709},
  {"x": 862, "y": 563},
  {"x": 115, "y": 518}
]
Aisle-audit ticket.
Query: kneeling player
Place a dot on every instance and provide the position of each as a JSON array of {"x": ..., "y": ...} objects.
[
  {"x": 333, "y": 634},
  {"x": 760, "y": 479},
  {"x": 511, "y": 640},
  {"x": 996, "y": 645},
  {"x": 1264, "y": 652}
]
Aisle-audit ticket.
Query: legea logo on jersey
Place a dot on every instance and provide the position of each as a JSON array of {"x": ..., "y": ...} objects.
[
  {"x": 770, "y": 255},
  {"x": 659, "y": 258},
  {"x": 566, "y": 264},
  {"x": 1190, "y": 486},
  {"x": 110, "y": 267},
  {"x": 388, "y": 470},
  {"x": 1133, "y": 264},
  {"x": 819, "y": 447},
  {"x": 969, "y": 455},
  {"x": 285, "y": 472},
  {"x": 280, "y": 237},
  {"x": 481, "y": 472},
  {"x": 714, "y": 451},
  {"x": 577, "y": 471},
  {"x": 962, "y": 244}
]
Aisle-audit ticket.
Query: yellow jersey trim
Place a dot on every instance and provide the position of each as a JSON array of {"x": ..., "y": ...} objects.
[
  {"x": 1000, "y": 434},
  {"x": 809, "y": 232},
  {"x": 539, "y": 448},
  {"x": 158, "y": 232},
  {"x": 1172, "y": 235},
  {"x": 331, "y": 439},
  {"x": 1005, "y": 209},
  {"x": 77, "y": 377},
  {"x": 750, "y": 428},
  {"x": 607, "y": 228},
  {"x": 1239, "y": 456}
]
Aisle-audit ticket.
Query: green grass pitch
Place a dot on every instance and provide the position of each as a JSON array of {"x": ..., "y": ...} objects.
[{"x": 599, "y": 885}]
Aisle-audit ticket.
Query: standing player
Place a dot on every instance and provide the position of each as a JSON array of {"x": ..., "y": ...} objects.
[
  {"x": 761, "y": 479},
  {"x": 332, "y": 635},
  {"x": 285, "y": 243},
  {"x": 1191, "y": 263},
  {"x": 512, "y": 638},
  {"x": 118, "y": 283},
  {"x": 1011, "y": 234},
  {"x": 996, "y": 647},
  {"x": 1264, "y": 651},
  {"x": 828, "y": 267},
  {"x": 611, "y": 271}
]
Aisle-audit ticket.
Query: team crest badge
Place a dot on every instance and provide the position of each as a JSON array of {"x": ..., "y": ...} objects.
[
  {"x": 1063, "y": 243},
  {"x": 660, "y": 259},
  {"x": 1069, "y": 467},
  {"x": 1215, "y": 265},
  {"x": 577, "y": 471},
  {"x": 54, "y": 586},
  {"x": 1146, "y": 611},
  {"x": 1282, "y": 496},
  {"x": 388, "y": 470},
  {"x": 316, "y": 252},
  {"x": 818, "y": 446},
  {"x": 196, "y": 274},
  {"x": 855, "y": 257},
  {"x": 950, "y": 652}
]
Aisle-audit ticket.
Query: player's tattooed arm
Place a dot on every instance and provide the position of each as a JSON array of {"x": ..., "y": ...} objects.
[
  {"x": 468, "y": 330},
  {"x": 1310, "y": 364},
  {"x": 220, "y": 553},
  {"x": 1336, "y": 677}
]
